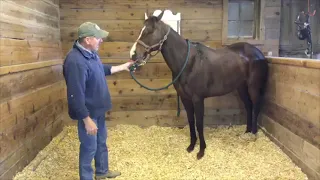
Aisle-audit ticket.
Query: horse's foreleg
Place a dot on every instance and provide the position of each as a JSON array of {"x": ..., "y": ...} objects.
[
  {"x": 188, "y": 105},
  {"x": 199, "y": 111}
]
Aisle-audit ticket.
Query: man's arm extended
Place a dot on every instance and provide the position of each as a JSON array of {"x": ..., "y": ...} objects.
[{"x": 108, "y": 69}]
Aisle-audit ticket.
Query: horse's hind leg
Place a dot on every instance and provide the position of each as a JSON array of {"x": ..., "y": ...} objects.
[
  {"x": 245, "y": 97},
  {"x": 256, "y": 99},
  {"x": 198, "y": 104},
  {"x": 256, "y": 86},
  {"x": 188, "y": 105}
]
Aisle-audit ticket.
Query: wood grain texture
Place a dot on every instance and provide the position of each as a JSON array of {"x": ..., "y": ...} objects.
[
  {"x": 297, "y": 89},
  {"x": 24, "y": 67},
  {"x": 297, "y": 125},
  {"x": 14, "y": 84},
  {"x": 28, "y": 150},
  {"x": 302, "y": 153},
  {"x": 291, "y": 114},
  {"x": 169, "y": 118},
  {"x": 30, "y": 80}
]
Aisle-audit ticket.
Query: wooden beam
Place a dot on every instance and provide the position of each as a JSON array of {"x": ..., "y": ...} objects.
[
  {"x": 169, "y": 118},
  {"x": 294, "y": 123},
  {"x": 303, "y": 62},
  {"x": 14, "y": 84},
  {"x": 29, "y": 66}
]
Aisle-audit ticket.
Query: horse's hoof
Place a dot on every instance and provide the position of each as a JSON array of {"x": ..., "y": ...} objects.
[
  {"x": 248, "y": 137},
  {"x": 200, "y": 154},
  {"x": 190, "y": 148}
]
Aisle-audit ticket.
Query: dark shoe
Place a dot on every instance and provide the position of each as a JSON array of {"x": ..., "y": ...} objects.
[{"x": 110, "y": 174}]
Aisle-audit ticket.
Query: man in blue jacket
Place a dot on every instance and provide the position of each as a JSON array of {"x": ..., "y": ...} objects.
[{"x": 89, "y": 99}]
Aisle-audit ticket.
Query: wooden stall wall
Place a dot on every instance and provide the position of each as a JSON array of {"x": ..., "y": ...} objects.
[
  {"x": 291, "y": 114},
  {"x": 290, "y": 45},
  {"x": 201, "y": 21},
  {"x": 31, "y": 90}
]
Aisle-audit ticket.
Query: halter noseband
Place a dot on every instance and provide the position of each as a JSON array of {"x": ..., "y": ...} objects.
[{"x": 150, "y": 49}]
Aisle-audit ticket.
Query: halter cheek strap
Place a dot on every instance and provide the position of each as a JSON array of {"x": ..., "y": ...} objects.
[{"x": 150, "y": 49}]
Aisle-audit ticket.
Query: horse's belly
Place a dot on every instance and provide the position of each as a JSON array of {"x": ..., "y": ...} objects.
[{"x": 218, "y": 82}]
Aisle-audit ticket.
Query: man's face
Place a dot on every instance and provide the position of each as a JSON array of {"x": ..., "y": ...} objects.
[{"x": 93, "y": 43}]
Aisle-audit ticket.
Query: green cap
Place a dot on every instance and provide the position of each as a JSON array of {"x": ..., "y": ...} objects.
[{"x": 91, "y": 29}]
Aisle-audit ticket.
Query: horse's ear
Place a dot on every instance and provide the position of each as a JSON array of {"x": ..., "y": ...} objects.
[{"x": 160, "y": 15}]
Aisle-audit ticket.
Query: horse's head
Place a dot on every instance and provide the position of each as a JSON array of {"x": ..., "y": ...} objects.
[{"x": 152, "y": 36}]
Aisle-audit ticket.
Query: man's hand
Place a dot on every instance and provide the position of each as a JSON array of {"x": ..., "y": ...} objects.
[
  {"x": 127, "y": 65},
  {"x": 122, "y": 67},
  {"x": 90, "y": 126}
]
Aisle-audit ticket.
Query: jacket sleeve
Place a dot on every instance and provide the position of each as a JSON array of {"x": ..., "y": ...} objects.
[
  {"x": 107, "y": 69},
  {"x": 76, "y": 75}
]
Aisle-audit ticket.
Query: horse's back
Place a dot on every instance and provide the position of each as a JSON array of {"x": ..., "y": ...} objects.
[{"x": 248, "y": 50}]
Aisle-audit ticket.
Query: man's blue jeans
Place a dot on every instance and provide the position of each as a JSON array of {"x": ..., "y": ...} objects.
[{"x": 93, "y": 146}]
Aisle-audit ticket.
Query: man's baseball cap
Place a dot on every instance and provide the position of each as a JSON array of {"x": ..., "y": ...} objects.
[{"x": 91, "y": 29}]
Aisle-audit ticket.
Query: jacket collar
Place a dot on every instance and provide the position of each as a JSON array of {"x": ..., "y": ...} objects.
[{"x": 85, "y": 52}]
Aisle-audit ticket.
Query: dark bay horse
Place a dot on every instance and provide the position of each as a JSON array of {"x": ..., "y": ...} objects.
[{"x": 207, "y": 73}]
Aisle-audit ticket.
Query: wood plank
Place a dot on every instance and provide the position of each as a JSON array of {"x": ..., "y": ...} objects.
[
  {"x": 17, "y": 83},
  {"x": 23, "y": 31},
  {"x": 108, "y": 49},
  {"x": 294, "y": 146},
  {"x": 117, "y": 35},
  {"x": 121, "y": 14},
  {"x": 98, "y": 14},
  {"x": 169, "y": 118},
  {"x": 272, "y": 12},
  {"x": 11, "y": 9},
  {"x": 20, "y": 116},
  {"x": 139, "y": 4},
  {"x": 25, "y": 67},
  {"x": 134, "y": 103},
  {"x": 151, "y": 71},
  {"x": 28, "y": 43},
  {"x": 293, "y": 122},
  {"x": 128, "y": 87},
  {"x": 68, "y": 26},
  {"x": 202, "y": 24},
  {"x": 120, "y": 50},
  {"x": 202, "y": 35},
  {"x": 28, "y": 128},
  {"x": 30, "y": 148},
  {"x": 273, "y": 3},
  {"x": 169, "y": 102},
  {"x": 272, "y": 23},
  {"x": 21, "y": 55},
  {"x": 39, "y": 6},
  {"x": 303, "y": 62},
  {"x": 132, "y": 35},
  {"x": 136, "y": 25},
  {"x": 25, "y": 101},
  {"x": 18, "y": 57},
  {"x": 305, "y": 79},
  {"x": 29, "y": 35},
  {"x": 272, "y": 33},
  {"x": 298, "y": 101}
]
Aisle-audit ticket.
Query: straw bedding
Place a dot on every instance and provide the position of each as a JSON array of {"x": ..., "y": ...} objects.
[{"x": 160, "y": 153}]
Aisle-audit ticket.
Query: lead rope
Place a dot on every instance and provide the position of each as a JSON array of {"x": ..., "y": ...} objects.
[{"x": 134, "y": 66}]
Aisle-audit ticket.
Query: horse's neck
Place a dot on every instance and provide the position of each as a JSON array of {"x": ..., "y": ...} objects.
[{"x": 174, "y": 51}]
